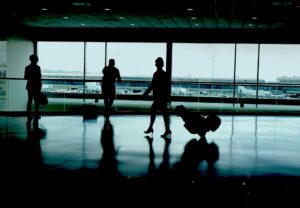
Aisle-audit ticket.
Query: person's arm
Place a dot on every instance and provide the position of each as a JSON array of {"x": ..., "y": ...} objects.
[
  {"x": 26, "y": 73},
  {"x": 148, "y": 90},
  {"x": 119, "y": 76},
  {"x": 40, "y": 76}
]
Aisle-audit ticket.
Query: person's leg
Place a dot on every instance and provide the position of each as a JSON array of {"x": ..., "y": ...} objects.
[
  {"x": 29, "y": 102},
  {"x": 110, "y": 102},
  {"x": 109, "y": 105},
  {"x": 165, "y": 114},
  {"x": 36, "y": 105},
  {"x": 106, "y": 103},
  {"x": 105, "y": 93},
  {"x": 112, "y": 97},
  {"x": 152, "y": 118},
  {"x": 106, "y": 107},
  {"x": 29, "y": 116}
]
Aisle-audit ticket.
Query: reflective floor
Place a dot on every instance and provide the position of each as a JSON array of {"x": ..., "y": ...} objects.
[{"x": 246, "y": 161}]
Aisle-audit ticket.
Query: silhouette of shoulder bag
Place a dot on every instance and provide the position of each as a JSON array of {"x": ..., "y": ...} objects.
[{"x": 42, "y": 99}]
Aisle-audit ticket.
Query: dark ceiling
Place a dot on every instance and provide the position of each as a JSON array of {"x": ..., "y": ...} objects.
[{"x": 278, "y": 17}]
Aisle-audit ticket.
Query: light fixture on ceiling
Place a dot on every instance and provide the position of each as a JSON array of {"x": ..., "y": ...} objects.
[
  {"x": 282, "y": 3},
  {"x": 81, "y": 4}
]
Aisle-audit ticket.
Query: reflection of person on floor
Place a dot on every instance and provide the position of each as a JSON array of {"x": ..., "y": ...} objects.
[
  {"x": 108, "y": 165},
  {"x": 152, "y": 167},
  {"x": 164, "y": 167},
  {"x": 195, "y": 152},
  {"x": 34, "y": 84},
  {"x": 159, "y": 85},
  {"x": 110, "y": 75},
  {"x": 34, "y": 135}
]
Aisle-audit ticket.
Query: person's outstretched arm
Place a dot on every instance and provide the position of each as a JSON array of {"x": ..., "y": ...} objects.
[
  {"x": 119, "y": 77},
  {"x": 148, "y": 90}
]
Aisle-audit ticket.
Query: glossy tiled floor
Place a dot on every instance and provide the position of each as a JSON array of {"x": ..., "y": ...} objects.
[{"x": 254, "y": 152}]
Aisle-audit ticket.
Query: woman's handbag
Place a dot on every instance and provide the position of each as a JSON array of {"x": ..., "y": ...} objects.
[{"x": 42, "y": 99}]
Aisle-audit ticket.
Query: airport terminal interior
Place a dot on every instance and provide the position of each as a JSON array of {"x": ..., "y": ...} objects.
[{"x": 233, "y": 65}]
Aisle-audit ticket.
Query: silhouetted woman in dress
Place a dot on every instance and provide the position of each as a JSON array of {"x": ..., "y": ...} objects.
[{"x": 159, "y": 85}]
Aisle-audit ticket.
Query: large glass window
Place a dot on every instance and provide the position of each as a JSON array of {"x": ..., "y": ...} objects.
[
  {"x": 61, "y": 59},
  {"x": 202, "y": 63},
  {"x": 199, "y": 71},
  {"x": 136, "y": 59},
  {"x": 3, "y": 83},
  {"x": 95, "y": 60},
  {"x": 3, "y": 58},
  {"x": 246, "y": 62},
  {"x": 246, "y": 70},
  {"x": 280, "y": 64}
]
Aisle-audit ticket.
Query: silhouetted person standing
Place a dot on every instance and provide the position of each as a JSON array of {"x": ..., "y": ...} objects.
[
  {"x": 110, "y": 75},
  {"x": 34, "y": 84},
  {"x": 159, "y": 85}
]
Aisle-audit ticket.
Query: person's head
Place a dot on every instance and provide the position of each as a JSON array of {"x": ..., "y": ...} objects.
[
  {"x": 34, "y": 58},
  {"x": 159, "y": 62},
  {"x": 111, "y": 62}
]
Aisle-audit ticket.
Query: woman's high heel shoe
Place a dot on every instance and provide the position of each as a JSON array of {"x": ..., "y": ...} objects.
[
  {"x": 167, "y": 133},
  {"x": 148, "y": 131}
]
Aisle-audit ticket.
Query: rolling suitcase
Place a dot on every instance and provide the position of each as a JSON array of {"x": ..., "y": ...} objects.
[{"x": 90, "y": 111}]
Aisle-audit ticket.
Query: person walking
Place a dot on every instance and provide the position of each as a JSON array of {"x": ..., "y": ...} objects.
[{"x": 159, "y": 86}]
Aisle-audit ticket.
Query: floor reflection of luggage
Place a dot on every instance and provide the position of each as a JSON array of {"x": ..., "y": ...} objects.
[
  {"x": 90, "y": 111},
  {"x": 196, "y": 123}
]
